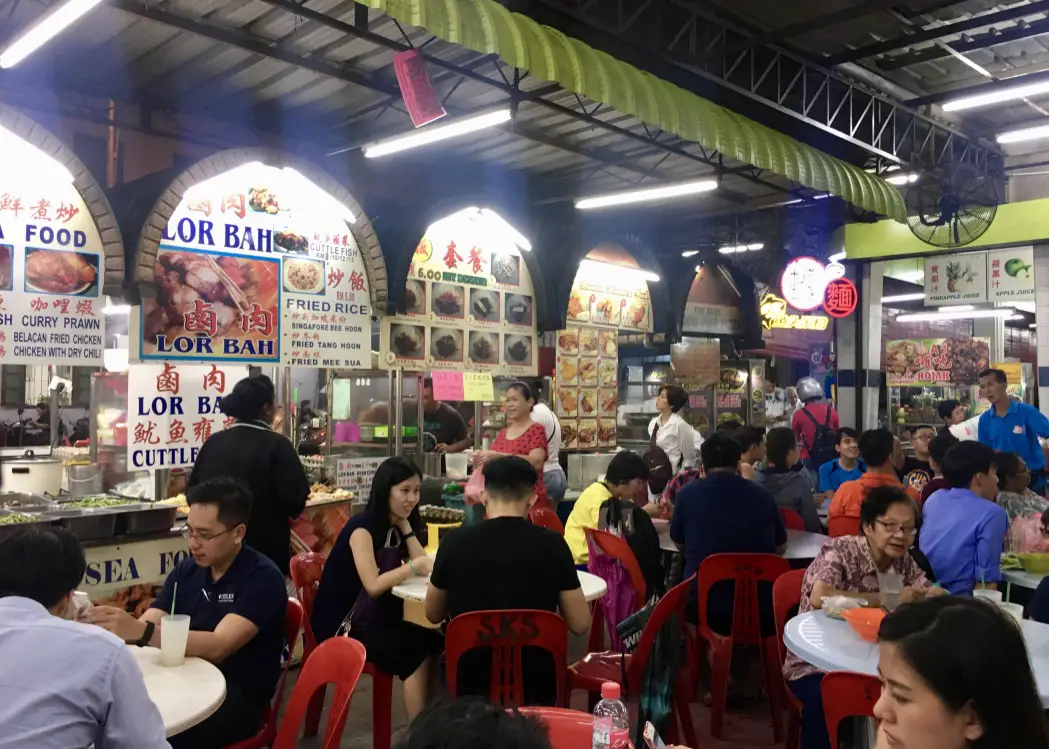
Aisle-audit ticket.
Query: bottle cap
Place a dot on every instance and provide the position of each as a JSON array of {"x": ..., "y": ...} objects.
[{"x": 610, "y": 691}]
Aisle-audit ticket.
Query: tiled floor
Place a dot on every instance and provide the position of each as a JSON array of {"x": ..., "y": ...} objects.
[{"x": 745, "y": 728}]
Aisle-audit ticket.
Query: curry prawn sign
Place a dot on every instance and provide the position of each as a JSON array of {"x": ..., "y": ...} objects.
[
  {"x": 173, "y": 409},
  {"x": 259, "y": 265}
]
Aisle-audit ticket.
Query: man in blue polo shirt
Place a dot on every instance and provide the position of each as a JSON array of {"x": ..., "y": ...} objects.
[
  {"x": 235, "y": 598},
  {"x": 846, "y": 467},
  {"x": 1011, "y": 426}
]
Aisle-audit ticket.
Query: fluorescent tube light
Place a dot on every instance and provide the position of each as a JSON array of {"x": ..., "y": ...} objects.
[
  {"x": 957, "y": 307},
  {"x": 433, "y": 133},
  {"x": 994, "y": 97},
  {"x": 953, "y": 315},
  {"x": 600, "y": 267},
  {"x": 837, "y": 257},
  {"x": 1016, "y": 317},
  {"x": 307, "y": 190},
  {"x": 733, "y": 248},
  {"x": 904, "y": 297},
  {"x": 1026, "y": 133},
  {"x": 46, "y": 29},
  {"x": 1033, "y": 325},
  {"x": 902, "y": 179},
  {"x": 689, "y": 253},
  {"x": 500, "y": 224},
  {"x": 640, "y": 196}
]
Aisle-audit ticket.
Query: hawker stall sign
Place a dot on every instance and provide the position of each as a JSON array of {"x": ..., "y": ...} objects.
[
  {"x": 957, "y": 360},
  {"x": 956, "y": 279},
  {"x": 50, "y": 270},
  {"x": 775, "y": 313},
  {"x": 469, "y": 304},
  {"x": 1010, "y": 275},
  {"x": 803, "y": 283},
  {"x": 586, "y": 386},
  {"x": 259, "y": 265},
  {"x": 173, "y": 409},
  {"x": 355, "y": 475}
]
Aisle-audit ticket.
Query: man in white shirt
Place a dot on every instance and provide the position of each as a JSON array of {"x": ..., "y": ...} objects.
[{"x": 553, "y": 475}]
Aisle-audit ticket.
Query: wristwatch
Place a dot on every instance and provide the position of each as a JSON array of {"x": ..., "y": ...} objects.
[{"x": 147, "y": 635}]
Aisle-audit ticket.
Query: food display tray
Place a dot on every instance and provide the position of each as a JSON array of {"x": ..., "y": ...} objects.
[
  {"x": 11, "y": 529},
  {"x": 86, "y": 525}
]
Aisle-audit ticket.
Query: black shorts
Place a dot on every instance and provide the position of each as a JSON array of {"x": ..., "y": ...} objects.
[{"x": 400, "y": 647}]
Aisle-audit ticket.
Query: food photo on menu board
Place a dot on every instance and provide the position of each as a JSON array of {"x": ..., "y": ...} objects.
[
  {"x": 64, "y": 272},
  {"x": 414, "y": 297},
  {"x": 484, "y": 347},
  {"x": 447, "y": 345},
  {"x": 585, "y": 381},
  {"x": 408, "y": 342},
  {"x": 448, "y": 301},
  {"x": 484, "y": 306},
  {"x": 519, "y": 309},
  {"x": 517, "y": 350},
  {"x": 568, "y": 342}
]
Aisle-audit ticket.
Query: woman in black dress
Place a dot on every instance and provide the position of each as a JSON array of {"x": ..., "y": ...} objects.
[
  {"x": 376, "y": 551},
  {"x": 250, "y": 451}
]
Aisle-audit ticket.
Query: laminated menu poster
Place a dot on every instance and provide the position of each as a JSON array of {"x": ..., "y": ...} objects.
[
  {"x": 172, "y": 410},
  {"x": 586, "y": 387},
  {"x": 730, "y": 393},
  {"x": 957, "y": 360},
  {"x": 259, "y": 265},
  {"x": 50, "y": 275},
  {"x": 469, "y": 307}
]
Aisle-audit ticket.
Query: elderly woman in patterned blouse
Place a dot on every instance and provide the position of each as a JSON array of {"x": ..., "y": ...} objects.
[
  {"x": 1014, "y": 493},
  {"x": 849, "y": 566}
]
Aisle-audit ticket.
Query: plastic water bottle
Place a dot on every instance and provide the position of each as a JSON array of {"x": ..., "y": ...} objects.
[{"x": 611, "y": 721}]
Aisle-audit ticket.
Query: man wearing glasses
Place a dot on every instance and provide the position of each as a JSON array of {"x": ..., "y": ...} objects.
[{"x": 235, "y": 598}]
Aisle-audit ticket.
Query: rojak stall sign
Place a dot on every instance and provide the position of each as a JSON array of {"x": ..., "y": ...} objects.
[
  {"x": 259, "y": 265},
  {"x": 50, "y": 263}
]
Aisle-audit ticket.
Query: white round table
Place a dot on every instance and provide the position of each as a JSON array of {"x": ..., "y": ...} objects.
[
  {"x": 800, "y": 544},
  {"x": 414, "y": 589},
  {"x": 832, "y": 645},
  {"x": 1022, "y": 579},
  {"x": 185, "y": 695}
]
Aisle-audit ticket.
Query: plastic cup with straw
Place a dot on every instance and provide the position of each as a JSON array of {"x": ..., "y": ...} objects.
[
  {"x": 174, "y": 633},
  {"x": 985, "y": 593}
]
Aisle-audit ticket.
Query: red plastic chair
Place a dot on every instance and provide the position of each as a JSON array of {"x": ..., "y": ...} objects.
[
  {"x": 786, "y": 597},
  {"x": 566, "y": 729},
  {"x": 596, "y": 668},
  {"x": 843, "y": 525},
  {"x": 746, "y": 570},
  {"x": 847, "y": 695},
  {"x": 544, "y": 517},
  {"x": 337, "y": 661},
  {"x": 618, "y": 549},
  {"x": 506, "y": 632},
  {"x": 791, "y": 519},
  {"x": 306, "y": 570},
  {"x": 267, "y": 732}
]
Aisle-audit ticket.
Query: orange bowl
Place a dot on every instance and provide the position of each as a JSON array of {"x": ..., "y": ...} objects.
[{"x": 866, "y": 622}]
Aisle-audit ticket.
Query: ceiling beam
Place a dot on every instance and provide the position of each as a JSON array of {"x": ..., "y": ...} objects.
[
  {"x": 979, "y": 88},
  {"x": 939, "y": 32},
  {"x": 980, "y": 41}
]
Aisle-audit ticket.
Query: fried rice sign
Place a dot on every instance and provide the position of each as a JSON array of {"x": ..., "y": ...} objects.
[{"x": 259, "y": 266}]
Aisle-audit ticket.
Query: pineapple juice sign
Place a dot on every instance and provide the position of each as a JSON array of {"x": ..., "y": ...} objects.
[{"x": 956, "y": 279}]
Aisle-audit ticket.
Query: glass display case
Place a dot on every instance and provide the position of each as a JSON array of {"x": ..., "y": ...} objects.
[
  {"x": 909, "y": 406},
  {"x": 109, "y": 437},
  {"x": 362, "y": 420}
]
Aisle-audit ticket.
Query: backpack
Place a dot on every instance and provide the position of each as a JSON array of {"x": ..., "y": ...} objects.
[
  {"x": 660, "y": 469},
  {"x": 824, "y": 440}
]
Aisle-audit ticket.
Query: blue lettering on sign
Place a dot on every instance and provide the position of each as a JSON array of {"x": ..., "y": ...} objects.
[
  {"x": 208, "y": 405},
  {"x": 248, "y": 238},
  {"x": 1, "y": 231},
  {"x": 109, "y": 571},
  {"x": 164, "y": 456},
  {"x": 184, "y": 345},
  {"x": 234, "y": 347},
  {"x": 190, "y": 231},
  {"x": 161, "y": 406},
  {"x": 48, "y": 235},
  {"x": 169, "y": 560}
]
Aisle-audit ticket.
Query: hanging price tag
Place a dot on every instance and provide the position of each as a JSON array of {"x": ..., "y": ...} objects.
[
  {"x": 477, "y": 386},
  {"x": 448, "y": 386}
]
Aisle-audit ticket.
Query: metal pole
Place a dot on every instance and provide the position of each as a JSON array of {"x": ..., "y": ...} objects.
[
  {"x": 420, "y": 417},
  {"x": 287, "y": 427},
  {"x": 329, "y": 429},
  {"x": 93, "y": 422},
  {"x": 398, "y": 412}
]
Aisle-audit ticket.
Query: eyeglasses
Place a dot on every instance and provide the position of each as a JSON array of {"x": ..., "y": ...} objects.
[
  {"x": 191, "y": 535},
  {"x": 893, "y": 528}
]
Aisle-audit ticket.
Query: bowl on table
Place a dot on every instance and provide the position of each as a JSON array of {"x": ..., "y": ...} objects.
[
  {"x": 1036, "y": 564},
  {"x": 866, "y": 622}
]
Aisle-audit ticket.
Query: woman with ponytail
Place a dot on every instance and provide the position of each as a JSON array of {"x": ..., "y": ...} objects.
[{"x": 251, "y": 452}]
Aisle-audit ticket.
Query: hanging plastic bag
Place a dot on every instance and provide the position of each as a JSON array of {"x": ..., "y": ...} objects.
[{"x": 475, "y": 488}]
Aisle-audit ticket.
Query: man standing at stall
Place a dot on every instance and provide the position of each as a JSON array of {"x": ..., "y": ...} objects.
[
  {"x": 1011, "y": 426},
  {"x": 443, "y": 422}
]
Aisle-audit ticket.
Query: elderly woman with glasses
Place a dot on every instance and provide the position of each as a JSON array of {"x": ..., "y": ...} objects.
[{"x": 849, "y": 566}]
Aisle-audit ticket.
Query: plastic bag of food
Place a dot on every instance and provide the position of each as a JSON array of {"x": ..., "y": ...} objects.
[{"x": 833, "y": 606}]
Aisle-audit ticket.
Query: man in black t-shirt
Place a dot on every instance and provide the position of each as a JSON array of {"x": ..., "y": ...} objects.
[
  {"x": 917, "y": 471},
  {"x": 507, "y": 563},
  {"x": 443, "y": 422}
]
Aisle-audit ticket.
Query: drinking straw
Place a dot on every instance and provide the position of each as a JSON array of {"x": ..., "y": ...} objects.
[
  {"x": 173, "y": 594},
  {"x": 983, "y": 583},
  {"x": 1008, "y": 590}
]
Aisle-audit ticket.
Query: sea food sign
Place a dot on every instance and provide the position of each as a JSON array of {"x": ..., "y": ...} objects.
[
  {"x": 50, "y": 263},
  {"x": 259, "y": 265},
  {"x": 173, "y": 409}
]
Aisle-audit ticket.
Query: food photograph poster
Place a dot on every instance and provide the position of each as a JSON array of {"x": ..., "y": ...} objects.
[
  {"x": 469, "y": 304},
  {"x": 586, "y": 387},
  {"x": 259, "y": 265},
  {"x": 957, "y": 360},
  {"x": 50, "y": 269}
]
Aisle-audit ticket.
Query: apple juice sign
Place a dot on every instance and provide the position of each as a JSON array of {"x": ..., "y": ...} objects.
[{"x": 258, "y": 265}]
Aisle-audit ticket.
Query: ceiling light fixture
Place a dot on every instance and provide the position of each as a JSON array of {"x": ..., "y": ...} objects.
[
  {"x": 433, "y": 133},
  {"x": 679, "y": 190},
  {"x": 601, "y": 267},
  {"x": 689, "y": 253},
  {"x": 957, "y": 307},
  {"x": 1016, "y": 317},
  {"x": 50, "y": 26},
  {"x": 734, "y": 248},
  {"x": 994, "y": 97},
  {"x": 953, "y": 315},
  {"x": 904, "y": 297},
  {"x": 501, "y": 224},
  {"x": 837, "y": 257},
  {"x": 1032, "y": 325},
  {"x": 902, "y": 179},
  {"x": 1026, "y": 133}
]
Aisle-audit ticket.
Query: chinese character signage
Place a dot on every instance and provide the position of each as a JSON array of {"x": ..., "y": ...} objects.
[
  {"x": 586, "y": 387},
  {"x": 355, "y": 475},
  {"x": 172, "y": 410},
  {"x": 713, "y": 304},
  {"x": 50, "y": 276},
  {"x": 257, "y": 266},
  {"x": 956, "y": 279},
  {"x": 957, "y": 360},
  {"x": 803, "y": 283},
  {"x": 1010, "y": 275},
  {"x": 469, "y": 304},
  {"x": 840, "y": 297}
]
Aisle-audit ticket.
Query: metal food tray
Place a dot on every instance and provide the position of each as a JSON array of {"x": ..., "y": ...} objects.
[
  {"x": 86, "y": 525},
  {"x": 145, "y": 518},
  {"x": 19, "y": 502},
  {"x": 38, "y": 523}
]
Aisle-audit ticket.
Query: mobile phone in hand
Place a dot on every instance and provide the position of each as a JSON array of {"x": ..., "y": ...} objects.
[{"x": 652, "y": 738}]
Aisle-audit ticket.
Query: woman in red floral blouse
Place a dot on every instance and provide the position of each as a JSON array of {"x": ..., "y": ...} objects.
[{"x": 521, "y": 436}]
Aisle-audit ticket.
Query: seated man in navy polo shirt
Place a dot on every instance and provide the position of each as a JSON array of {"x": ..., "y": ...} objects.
[
  {"x": 236, "y": 600},
  {"x": 1012, "y": 427},
  {"x": 725, "y": 513}
]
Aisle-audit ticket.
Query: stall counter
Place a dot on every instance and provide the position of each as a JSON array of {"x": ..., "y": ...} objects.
[{"x": 128, "y": 571}]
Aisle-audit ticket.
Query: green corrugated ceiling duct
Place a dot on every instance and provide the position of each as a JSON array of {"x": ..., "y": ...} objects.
[{"x": 486, "y": 27}]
